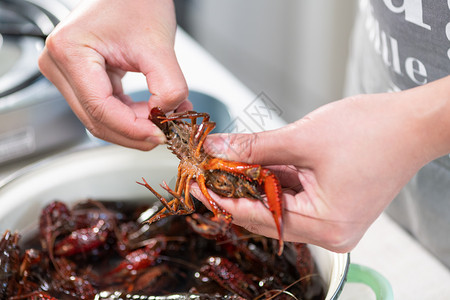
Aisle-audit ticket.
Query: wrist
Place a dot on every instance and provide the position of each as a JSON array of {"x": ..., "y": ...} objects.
[{"x": 428, "y": 110}]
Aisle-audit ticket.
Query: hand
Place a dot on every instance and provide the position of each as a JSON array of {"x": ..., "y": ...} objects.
[
  {"x": 341, "y": 165},
  {"x": 89, "y": 52}
]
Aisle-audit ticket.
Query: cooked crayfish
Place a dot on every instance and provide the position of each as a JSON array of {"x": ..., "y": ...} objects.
[
  {"x": 226, "y": 178},
  {"x": 165, "y": 260}
]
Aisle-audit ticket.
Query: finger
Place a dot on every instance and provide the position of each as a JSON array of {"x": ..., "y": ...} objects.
[
  {"x": 288, "y": 177},
  {"x": 51, "y": 71},
  {"x": 301, "y": 223},
  {"x": 49, "y": 68},
  {"x": 255, "y": 217},
  {"x": 115, "y": 77},
  {"x": 98, "y": 108},
  {"x": 165, "y": 81},
  {"x": 252, "y": 215},
  {"x": 265, "y": 148},
  {"x": 184, "y": 106}
]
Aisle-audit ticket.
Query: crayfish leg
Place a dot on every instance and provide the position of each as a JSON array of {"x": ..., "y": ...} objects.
[
  {"x": 170, "y": 191},
  {"x": 189, "y": 204},
  {"x": 163, "y": 213},
  {"x": 219, "y": 213},
  {"x": 209, "y": 227},
  {"x": 171, "y": 207},
  {"x": 216, "y": 208},
  {"x": 167, "y": 205},
  {"x": 190, "y": 114},
  {"x": 204, "y": 129}
]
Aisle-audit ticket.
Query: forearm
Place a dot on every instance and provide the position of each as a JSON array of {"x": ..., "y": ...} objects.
[{"x": 428, "y": 110}]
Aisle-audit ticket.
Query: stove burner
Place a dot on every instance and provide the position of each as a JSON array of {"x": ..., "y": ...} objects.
[
  {"x": 24, "y": 25},
  {"x": 18, "y": 62},
  {"x": 34, "y": 117}
]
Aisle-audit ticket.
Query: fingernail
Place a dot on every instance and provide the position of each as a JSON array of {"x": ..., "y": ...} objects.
[{"x": 157, "y": 138}]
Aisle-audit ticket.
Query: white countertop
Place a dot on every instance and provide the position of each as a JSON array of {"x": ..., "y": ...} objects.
[{"x": 412, "y": 271}]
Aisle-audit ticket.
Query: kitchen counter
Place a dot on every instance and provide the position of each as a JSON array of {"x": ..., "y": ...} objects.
[{"x": 412, "y": 271}]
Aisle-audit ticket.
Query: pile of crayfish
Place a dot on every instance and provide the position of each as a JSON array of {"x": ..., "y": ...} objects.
[{"x": 98, "y": 250}]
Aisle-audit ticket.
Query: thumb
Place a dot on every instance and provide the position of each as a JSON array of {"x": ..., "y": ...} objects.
[{"x": 265, "y": 148}]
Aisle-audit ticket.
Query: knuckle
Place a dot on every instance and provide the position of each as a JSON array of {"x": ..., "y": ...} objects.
[
  {"x": 96, "y": 113},
  {"x": 96, "y": 131},
  {"x": 56, "y": 43},
  {"x": 341, "y": 239},
  {"x": 95, "y": 109},
  {"x": 63, "y": 45},
  {"x": 51, "y": 43}
]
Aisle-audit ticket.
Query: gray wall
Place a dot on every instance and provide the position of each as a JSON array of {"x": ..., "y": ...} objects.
[{"x": 294, "y": 51}]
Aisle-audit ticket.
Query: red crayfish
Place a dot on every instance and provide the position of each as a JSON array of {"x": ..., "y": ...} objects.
[
  {"x": 225, "y": 178},
  {"x": 165, "y": 260}
]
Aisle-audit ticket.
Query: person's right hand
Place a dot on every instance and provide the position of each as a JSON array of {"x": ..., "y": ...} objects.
[
  {"x": 89, "y": 52},
  {"x": 341, "y": 165}
]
